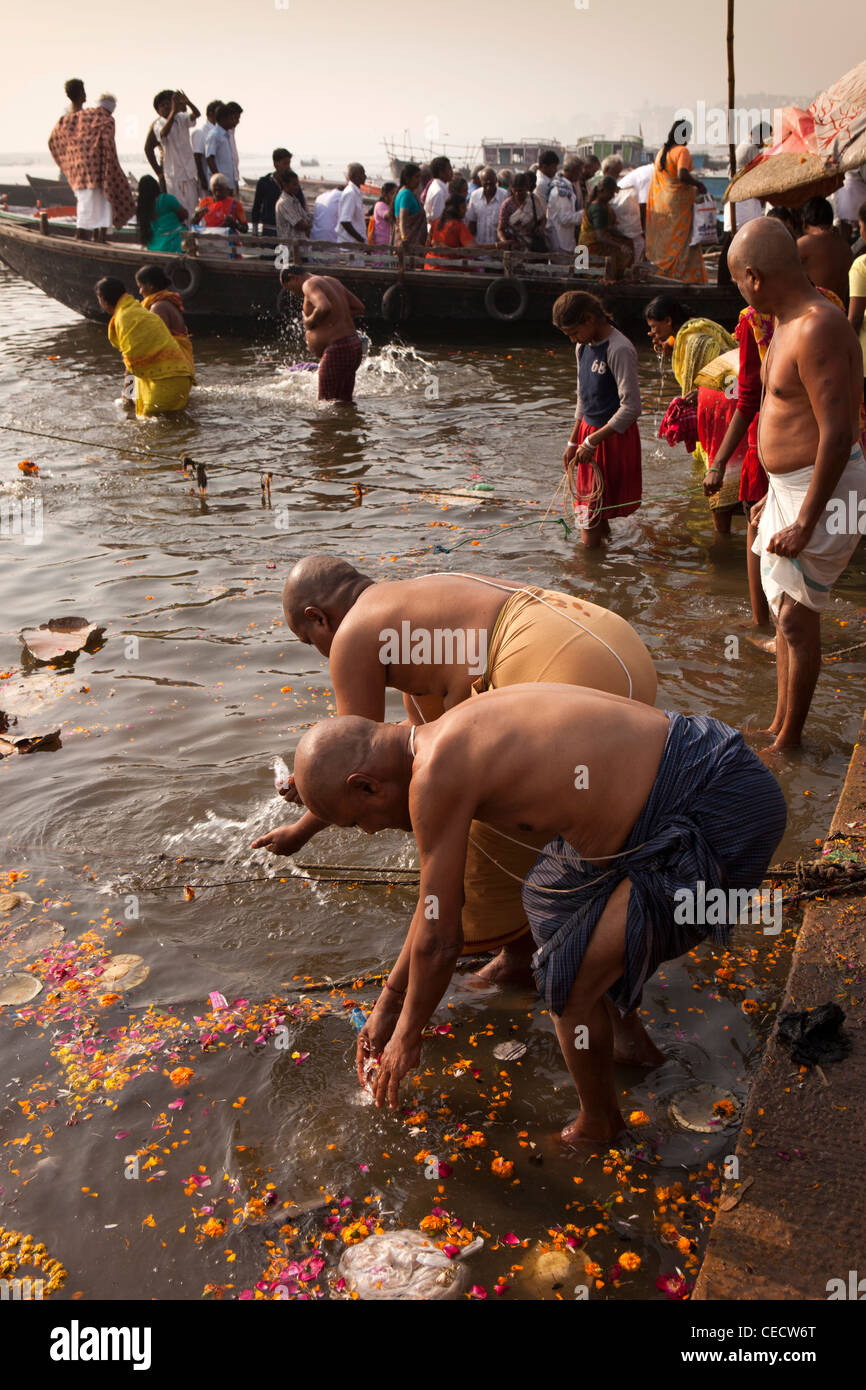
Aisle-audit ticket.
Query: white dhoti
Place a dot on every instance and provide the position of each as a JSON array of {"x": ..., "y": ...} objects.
[
  {"x": 92, "y": 209},
  {"x": 186, "y": 192},
  {"x": 810, "y": 576}
]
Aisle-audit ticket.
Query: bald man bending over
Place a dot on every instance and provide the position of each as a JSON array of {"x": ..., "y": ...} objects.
[
  {"x": 808, "y": 443},
  {"x": 440, "y": 639},
  {"x": 638, "y": 812}
]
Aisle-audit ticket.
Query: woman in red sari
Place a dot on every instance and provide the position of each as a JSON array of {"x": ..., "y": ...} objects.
[
  {"x": 220, "y": 208},
  {"x": 449, "y": 229},
  {"x": 669, "y": 210}
]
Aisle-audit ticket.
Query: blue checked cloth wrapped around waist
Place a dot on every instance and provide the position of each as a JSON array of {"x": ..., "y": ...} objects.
[{"x": 714, "y": 817}]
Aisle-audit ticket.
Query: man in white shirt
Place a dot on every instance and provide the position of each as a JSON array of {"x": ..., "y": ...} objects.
[
  {"x": 638, "y": 181},
  {"x": 351, "y": 225},
  {"x": 198, "y": 141},
  {"x": 218, "y": 148},
  {"x": 171, "y": 131},
  {"x": 548, "y": 163},
  {"x": 326, "y": 215},
  {"x": 437, "y": 189},
  {"x": 564, "y": 206},
  {"x": 482, "y": 215}
]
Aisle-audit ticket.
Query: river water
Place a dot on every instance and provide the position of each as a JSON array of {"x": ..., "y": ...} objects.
[{"x": 202, "y": 1131}]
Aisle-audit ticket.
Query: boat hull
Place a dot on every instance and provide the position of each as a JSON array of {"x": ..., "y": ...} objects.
[{"x": 241, "y": 296}]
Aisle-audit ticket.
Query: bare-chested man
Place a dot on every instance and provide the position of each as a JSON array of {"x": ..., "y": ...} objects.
[
  {"x": 824, "y": 251},
  {"x": 329, "y": 313},
  {"x": 808, "y": 443},
  {"x": 438, "y": 639},
  {"x": 646, "y": 818}
]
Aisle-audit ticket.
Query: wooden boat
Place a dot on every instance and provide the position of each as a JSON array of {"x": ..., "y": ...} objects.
[
  {"x": 501, "y": 290},
  {"x": 50, "y": 189},
  {"x": 26, "y": 195}
]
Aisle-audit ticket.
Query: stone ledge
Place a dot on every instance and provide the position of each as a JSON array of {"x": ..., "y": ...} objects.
[{"x": 803, "y": 1142}]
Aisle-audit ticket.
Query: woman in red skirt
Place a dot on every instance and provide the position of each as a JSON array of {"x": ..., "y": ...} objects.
[{"x": 602, "y": 457}]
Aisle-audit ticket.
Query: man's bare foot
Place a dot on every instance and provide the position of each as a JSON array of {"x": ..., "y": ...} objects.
[
  {"x": 597, "y": 1133},
  {"x": 784, "y": 745},
  {"x": 765, "y": 644},
  {"x": 632, "y": 1044},
  {"x": 512, "y": 965}
]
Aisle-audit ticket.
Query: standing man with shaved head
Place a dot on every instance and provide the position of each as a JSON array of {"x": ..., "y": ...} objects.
[{"x": 808, "y": 444}]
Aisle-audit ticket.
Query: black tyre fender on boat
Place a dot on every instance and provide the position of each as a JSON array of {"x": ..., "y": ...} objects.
[
  {"x": 185, "y": 276},
  {"x": 492, "y": 295},
  {"x": 395, "y": 304}
]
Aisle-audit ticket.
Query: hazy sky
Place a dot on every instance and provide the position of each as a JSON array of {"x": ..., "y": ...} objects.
[{"x": 330, "y": 77}]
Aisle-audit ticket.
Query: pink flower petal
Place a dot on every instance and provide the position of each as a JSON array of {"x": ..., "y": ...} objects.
[
  {"x": 510, "y": 1239},
  {"x": 217, "y": 1000},
  {"x": 477, "y": 1291}
]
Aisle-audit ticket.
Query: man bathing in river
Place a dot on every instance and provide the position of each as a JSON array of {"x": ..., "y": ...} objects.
[
  {"x": 808, "y": 444},
  {"x": 633, "y": 807},
  {"x": 489, "y": 633},
  {"x": 329, "y": 313}
]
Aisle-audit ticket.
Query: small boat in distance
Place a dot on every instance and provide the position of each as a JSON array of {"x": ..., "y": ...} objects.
[{"x": 309, "y": 164}]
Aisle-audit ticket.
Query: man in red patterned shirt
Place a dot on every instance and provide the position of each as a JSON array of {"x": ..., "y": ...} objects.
[{"x": 83, "y": 145}]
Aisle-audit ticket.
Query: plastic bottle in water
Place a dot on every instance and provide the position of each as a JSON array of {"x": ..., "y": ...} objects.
[
  {"x": 282, "y": 776},
  {"x": 357, "y": 1018}
]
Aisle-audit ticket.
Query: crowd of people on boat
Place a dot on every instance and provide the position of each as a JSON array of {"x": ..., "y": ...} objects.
[{"x": 615, "y": 218}]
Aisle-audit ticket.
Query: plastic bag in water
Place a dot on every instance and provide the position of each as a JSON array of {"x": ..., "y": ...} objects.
[
  {"x": 404, "y": 1265},
  {"x": 282, "y": 776}
]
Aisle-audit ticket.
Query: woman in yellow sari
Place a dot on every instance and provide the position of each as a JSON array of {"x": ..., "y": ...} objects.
[
  {"x": 669, "y": 210},
  {"x": 694, "y": 343},
  {"x": 163, "y": 373}
]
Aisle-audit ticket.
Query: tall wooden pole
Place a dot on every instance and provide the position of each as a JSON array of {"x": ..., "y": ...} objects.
[{"x": 732, "y": 149}]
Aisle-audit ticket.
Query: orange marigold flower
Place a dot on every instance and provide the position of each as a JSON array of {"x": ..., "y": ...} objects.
[
  {"x": 502, "y": 1167},
  {"x": 475, "y": 1140},
  {"x": 432, "y": 1223},
  {"x": 630, "y": 1261},
  {"x": 213, "y": 1227},
  {"x": 638, "y": 1117},
  {"x": 181, "y": 1076}
]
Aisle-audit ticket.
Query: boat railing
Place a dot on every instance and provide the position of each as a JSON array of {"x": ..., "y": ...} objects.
[{"x": 404, "y": 259}]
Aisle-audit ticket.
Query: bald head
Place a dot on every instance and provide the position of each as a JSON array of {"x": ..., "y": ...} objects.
[
  {"x": 319, "y": 591},
  {"x": 764, "y": 260},
  {"x": 351, "y": 771}
]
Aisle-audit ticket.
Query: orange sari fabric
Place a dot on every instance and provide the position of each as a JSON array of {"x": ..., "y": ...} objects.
[{"x": 669, "y": 220}]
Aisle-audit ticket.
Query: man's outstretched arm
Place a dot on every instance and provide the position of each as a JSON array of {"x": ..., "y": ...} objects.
[{"x": 441, "y": 827}]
